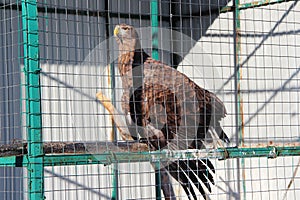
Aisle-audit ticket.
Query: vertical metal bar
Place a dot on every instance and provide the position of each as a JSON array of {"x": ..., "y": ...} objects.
[
  {"x": 154, "y": 26},
  {"x": 155, "y": 55},
  {"x": 157, "y": 180},
  {"x": 114, "y": 137},
  {"x": 238, "y": 95},
  {"x": 33, "y": 100},
  {"x": 111, "y": 82}
]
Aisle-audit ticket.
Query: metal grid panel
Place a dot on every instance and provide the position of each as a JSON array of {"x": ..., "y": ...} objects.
[
  {"x": 270, "y": 92},
  {"x": 270, "y": 61},
  {"x": 74, "y": 43},
  {"x": 10, "y": 91}
]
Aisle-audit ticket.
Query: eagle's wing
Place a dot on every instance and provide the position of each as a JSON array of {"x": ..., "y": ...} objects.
[
  {"x": 185, "y": 108},
  {"x": 181, "y": 113}
]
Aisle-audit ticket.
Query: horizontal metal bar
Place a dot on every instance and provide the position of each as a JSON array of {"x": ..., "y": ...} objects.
[
  {"x": 14, "y": 161},
  {"x": 253, "y": 4},
  {"x": 95, "y": 13},
  {"x": 105, "y": 13},
  {"x": 154, "y": 156}
]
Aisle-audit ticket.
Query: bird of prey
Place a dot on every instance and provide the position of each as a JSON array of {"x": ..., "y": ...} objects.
[{"x": 166, "y": 109}]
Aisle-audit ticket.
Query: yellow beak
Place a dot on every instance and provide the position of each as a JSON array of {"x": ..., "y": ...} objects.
[{"x": 117, "y": 30}]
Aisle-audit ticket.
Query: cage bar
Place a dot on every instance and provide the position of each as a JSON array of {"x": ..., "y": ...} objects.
[
  {"x": 155, "y": 55},
  {"x": 107, "y": 158},
  {"x": 239, "y": 118},
  {"x": 33, "y": 101}
]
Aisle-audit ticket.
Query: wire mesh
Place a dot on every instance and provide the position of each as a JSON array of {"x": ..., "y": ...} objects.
[
  {"x": 254, "y": 58},
  {"x": 270, "y": 71},
  {"x": 76, "y": 50},
  {"x": 10, "y": 94}
]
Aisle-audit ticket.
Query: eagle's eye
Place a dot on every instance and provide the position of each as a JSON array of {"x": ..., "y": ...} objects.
[{"x": 125, "y": 28}]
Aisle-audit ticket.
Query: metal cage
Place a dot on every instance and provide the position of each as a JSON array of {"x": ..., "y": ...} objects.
[{"x": 58, "y": 141}]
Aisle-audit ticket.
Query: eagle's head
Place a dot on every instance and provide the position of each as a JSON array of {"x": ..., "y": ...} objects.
[{"x": 126, "y": 37}]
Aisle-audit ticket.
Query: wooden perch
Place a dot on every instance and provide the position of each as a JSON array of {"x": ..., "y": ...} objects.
[
  {"x": 14, "y": 149},
  {"x": 20, "y": 148}
]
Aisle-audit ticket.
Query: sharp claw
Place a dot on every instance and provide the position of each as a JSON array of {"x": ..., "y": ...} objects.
[{"x": 143, "y": 140}]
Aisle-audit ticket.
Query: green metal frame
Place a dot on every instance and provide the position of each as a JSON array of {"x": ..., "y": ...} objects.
[
  {"x": 108, "y": 158},
  {"x": 238, "y": 96},
  {"x": 35, "y": 160},
  {"x": 253, "y": 4},
  {"x": 35, "y": 157},
  {"x": 155, "y": 55}
]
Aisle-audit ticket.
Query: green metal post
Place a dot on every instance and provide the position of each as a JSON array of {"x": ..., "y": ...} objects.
[
  {"x": 33, "y": 100},
  {"x": 111, "y": 81},
  {"x": 154, "y": 26},
  {"x": 238, "y": 96},
  {"x": 115, "y": 170},
  {"x": 155, "y": 55}
]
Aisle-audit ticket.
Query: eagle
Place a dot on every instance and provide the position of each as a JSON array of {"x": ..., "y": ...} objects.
[{"x": 167, "y": 110}]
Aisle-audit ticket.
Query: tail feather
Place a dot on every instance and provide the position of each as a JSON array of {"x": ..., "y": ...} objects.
[
  {"x": 178, "y": 174},
  {"x": 194, "y": 175},
  {"x": 203, "y": 166},
  {"x": 192, "y": 172},
  {"x": 208, "y": 164}
]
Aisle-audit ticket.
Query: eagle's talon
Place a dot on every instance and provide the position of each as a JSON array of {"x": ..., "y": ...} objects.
[
  {"x": 143, "y": 140},
  {"x": 226, "y": 154}
]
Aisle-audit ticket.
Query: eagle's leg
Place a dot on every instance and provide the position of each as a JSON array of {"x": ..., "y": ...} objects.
[
  {"x": 155, "y": 137},
  {"x": 166, "y": 185}
]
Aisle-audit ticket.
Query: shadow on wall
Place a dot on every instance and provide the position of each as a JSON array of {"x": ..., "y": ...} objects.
[{"x": 192, "y": 18}]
